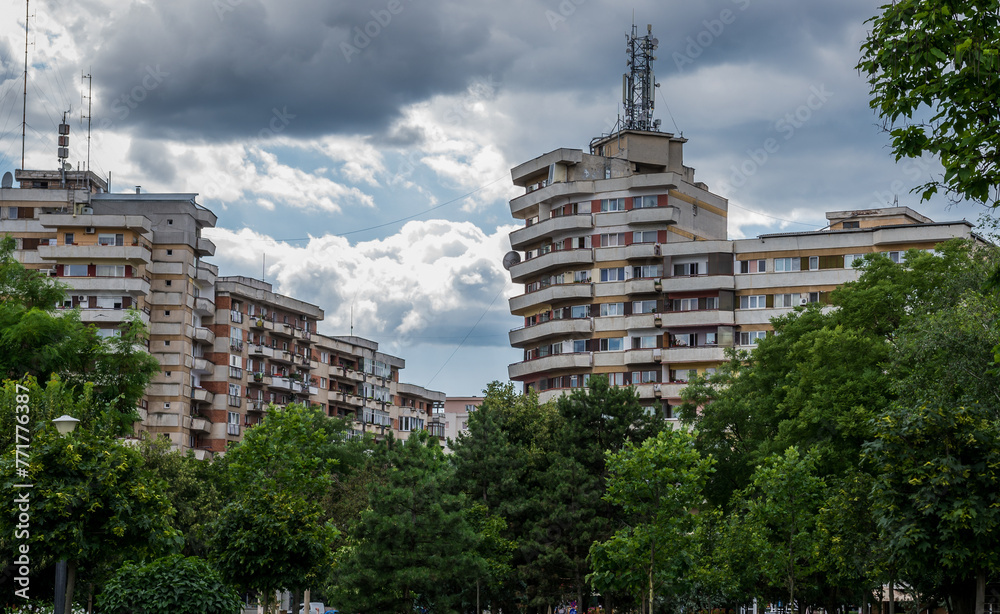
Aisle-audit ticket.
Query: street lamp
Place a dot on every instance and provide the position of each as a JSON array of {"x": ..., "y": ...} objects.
[{"x": 65, "y": 425}]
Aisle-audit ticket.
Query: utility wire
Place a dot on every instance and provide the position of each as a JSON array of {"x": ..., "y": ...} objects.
[
  {"x": 775, "y": 218},
  {"x": 490, "y": 306}
]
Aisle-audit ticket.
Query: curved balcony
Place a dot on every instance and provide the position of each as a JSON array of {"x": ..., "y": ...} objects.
[
  {"x": 695, "y": 354},
  {"x": 555, "y": 190},
  {"x": 206, "y": 273},
  {"x": 646, "y": 356},
  {"x": 133, "y": 254},
  {"x": 523, "y": 237},
  {"x": 552, "y": 261},
  {"x": 201, "y": 425},
  {"x": 203, "y": 335},
  {"x": 700, "y": 317},
  {"x": 520, "y": 370},
  {"x": 628, "y": 287},
  {"x": 200, "y": 365},
  {"x": 643, "y": 250},
  {"x": 204, "y": 247},
  {"x": 109, "y": 316},
  {"x": 651, "y": 215},
  {"x": 204, "y": 307},
  {"x": 695, "y": 283},
  {"x": 576, "y": 328},
  {"x": 80, "y": 285},
  {"x": 551, "y": 294},
  {"x": 201, "y": 395}
]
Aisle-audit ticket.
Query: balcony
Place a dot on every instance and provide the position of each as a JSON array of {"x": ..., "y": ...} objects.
[
  {"x": 81, "y": 285},
  {"x": 638, "y": 251},
  {"x": 566, "y": 189},
  {"x": 557, "y": 260},
  {"x": 523, "y": 237},
  {"x": 204, "y": 247},
  {"x": 202, "y": 396},
  {"x": 302, "y": 335},
  {"x": 283, "y": 356},
  {"x": 203, "y": 335},
  {"x": 235, "y": 373},
  {"x": 136, "y": 223},
  {"x": 260, "y": 379},
  {"x": 574, "y": 328},
  {"x": 520, "y": 370},
  {"x": 643, "y": 356},
  {"x": 700, "y": 317},
  {"x": 696, "y": 283},
  {"x": 283, "y": 329},
  {"x": 258, "y": 405},
  {"x": 651, "y": 215},
  {"x": 551, "y": 294},
  {"x": 201, "y": 425},
  {"x": 204, "y": 307},
  {"x": 234, "y": 401},
  {"x": 258, "y": 323},
  {"x": 206, "y": 273},
  {"x": 303, "y": 361},
  {"x": 236, "y": 345},
  {"x": 200, "y": 365},
  {"x": 109, "y": 316},
  {"x": 133, "y": 254},
  {"x": 260, "y": 350},
  {"x": 282, "y": 383},
  {"x": 708, "y": 353}
]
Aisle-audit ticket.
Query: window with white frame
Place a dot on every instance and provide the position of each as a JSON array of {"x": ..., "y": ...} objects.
[
  {"x": 786, "y": 300},
  {"x": 579, "y": 346},
  {"x": 712, "y": 302},
  {"x": 615, "y": 274},
  {"x": 813, "y": 263},
  {"x": 684, "y": 340},
  {"x": 612, "y": 204},
  {"x": 615, "y": 344},
  {"x": 581, "y": 277},
  {"x": 644, "y": 236},
  {"x": 111, "y": 239},
  {"x": 852, "y": 260},
  {"x": 644, "y": 202},
  {"x": 646, "y": 342},
  {"x": 711, "y": 338},
  {"x": 682, "y": 375},
  {"x": 613, "y": 239},
  {"x": 645, "y": 377},
  {"x": 110, "y": 270},
  {"x": 686, "y": 268},
  {"x": 755, "y": 301},
  {"x": 752, "y": 337},
  {"x": 109, "y": 302},
  {"x": 639, "y": 307},
  {"x": 647, "y": 271},
  {"x": 234, "y": 390},
  {"x": 897, "y": 257},
  {"x": 786, "y": 265},
  {"x": 75, "y": 270},
  {"x": 753, "y": 266},
  {"x": 579, "y": 311},
  {"x": 685, "y": 304},
  {"x": 612, "y": 309}
]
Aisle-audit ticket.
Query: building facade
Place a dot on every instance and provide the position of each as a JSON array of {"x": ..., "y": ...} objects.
[
  {"x": 230, "y": 348},
  {"x": 628, "y": 271}
]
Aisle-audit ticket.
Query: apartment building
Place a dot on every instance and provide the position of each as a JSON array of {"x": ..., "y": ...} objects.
[
  {"x": 120, "y": 251},
  {"x": 229, "y": 348},
  {"x": 628, "y": 271}
]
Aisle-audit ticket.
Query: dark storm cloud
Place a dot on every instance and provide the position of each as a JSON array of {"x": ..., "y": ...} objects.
[{"x": 239, "y": 68}]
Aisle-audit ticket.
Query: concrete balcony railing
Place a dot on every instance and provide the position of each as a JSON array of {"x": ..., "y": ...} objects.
[
  {"x": 204, "y": 335},
  {"x": 523, "y": 237},
  {"x": 135, "y": 223},
  {"x": 520, "y": 370},
  {"x": 700, "y": 317},
  {"x": 697, "y": 283},
  {"x": 204, "y": 247},
  {"x": 652, "y": 215},
  {"x": 645, "y": 356},
  {"x": 83, "y": 285},
  {"x": 574, "y": 328},
  {"x": 561, "y": 292},
  {"x": 552, "y": 261},
  {"x": 200, "y": 365},
  {"x": 133, "y": 254},
  {"x": 551, "y": 191},
  {"x": 261, "y": 350},
  {"x": 204, "y": 307},
  {"x": 109, "y": 316},
  {"x": 694, "y": 354},
  {"x": 202, "y": 396},
  {"x": 207, "y": 273},
  {"x": 201, "y": 425}
]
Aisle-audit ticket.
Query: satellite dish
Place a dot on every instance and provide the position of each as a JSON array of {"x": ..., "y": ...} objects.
[
  {"x": 8, "y": 180},
  {"x": 510, "y": 259},
  {"x": 67, "y": 167}
]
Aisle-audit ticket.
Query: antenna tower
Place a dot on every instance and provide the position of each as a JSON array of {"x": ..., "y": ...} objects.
[
  {"x": 24, "y": 106},
  {"x": 638, "y": 85},
  {"x": 89, "y": 96}
]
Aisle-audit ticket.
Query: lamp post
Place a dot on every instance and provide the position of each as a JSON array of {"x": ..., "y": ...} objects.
[{"x": 65, "y": 425}]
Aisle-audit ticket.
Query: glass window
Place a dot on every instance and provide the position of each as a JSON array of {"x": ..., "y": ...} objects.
[
  {"x": 75, "y": 270},
  {"x": 786, "y": 265},
  {"x": 647, "y": 271},
  {"x": 752, "y": 337},
  {"x": 644, "y": 236},
  {"x": 813, "y": 263},
  {"x": 712, "y": 302},
  {"x": 579, "y": 311},
  {"x": 645, "y": 343},
  {"x": 753, "y": 266},
  {"x": 581, "y": 277},
  {"x": 644, "y": 202},
  {"x": 851, "y": 259},
  {"x": 579, "y": 346},
  {"x": 110, "y": 239},
  {"x": 757, "y": 301},
  {"x": 685, "y": 304},
  {"x": 614, "y": 344},
  {"x": 111, "y": 270},
  {"x": 613, "y": 204},
  {"x": 639, "y": 307},
  {"x": 690, "y": 268},
  {"x": 612, "y": 309},
  {"x": 613, "y": 239},
  {"x": 616, "y": 274}
]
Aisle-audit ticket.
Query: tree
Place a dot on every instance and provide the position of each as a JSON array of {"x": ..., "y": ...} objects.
[
  {"x": 277, "y": 530},
  {"x": 658, "y": 485},
  {"x": 934, "y": 74},
  {"x": 170, "y": 585},
  {"x": 413, "y": 547}
]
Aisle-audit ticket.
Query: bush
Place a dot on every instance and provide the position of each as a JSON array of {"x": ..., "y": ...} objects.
[{"x": 170, "y": 585}]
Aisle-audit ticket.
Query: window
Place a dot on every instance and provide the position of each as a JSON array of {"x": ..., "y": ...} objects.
[
  {"x": 170, "y": 283},
  {"x": 617, "y": 274},
  {"x": 233, "y": 423},
  {"x": 753, "y": 266},
  {"x": 581, "y": 277},
  {"x": 166, "y": 312},
  {"x": 579, "y": 311},
  {"x": 645, "y": 377},
  {"x": 647, "y": 271},
  {"x": 643, "y": 307},
  {"x": 644, "y": 236},
  {"x": 68, "y": 239},
  {"x": 786, "y": 265},
  {"x": 752, "y": 337},
  {"x": 813, "y": 263},
  {"x": 75, "y": 270},
  {"x": 849, "y": 225},
  {"x": 170, "y": 252},
  {"x": 757, "y": 301},
  {"x": 612, "y": 345},
  {"x": 111, "y": 239},
  {"x": 711, "y": 338},
  {"x": 613, "y": 239},
  {"x": 811, "y": 297},
  {"x": 644, "y": 202},
  {"x": 684, "y": 340},
  {"x": 612, "y": 204},
  {"x": 111, "y": 270},
  {"x": 712, "y": 302},
  {"x": 109, "y": 302},
  {"x": 579, "y": 346},
  {"x": 689, "y": 268},
  {"x": 612, "y": 309},
  {"x": 685, "y": 304},
  {"x": 646, "y": 343},
  {"x": 897, "y": 257},
  {"x": 682, "y": 375},
  {"x": 786, "y": 300},
  {"x": 851, "y": 259}
]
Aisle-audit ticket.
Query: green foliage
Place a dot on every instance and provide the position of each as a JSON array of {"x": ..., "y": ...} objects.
[
  {"x": 414, "y": 546},
  {"x": 170, "y": 585},
  {"x": 934, "y": 73},
  {"x": 658, "y": 486}
]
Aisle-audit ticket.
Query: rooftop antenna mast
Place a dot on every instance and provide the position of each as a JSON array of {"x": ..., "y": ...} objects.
[
  {"x": 638, "y": 85},
  {"x": 90, "y": 94},
  {"x": 24, "y": 107}
]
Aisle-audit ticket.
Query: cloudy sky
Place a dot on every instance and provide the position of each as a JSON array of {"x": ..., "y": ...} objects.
[{"x": 358, "y": 153}]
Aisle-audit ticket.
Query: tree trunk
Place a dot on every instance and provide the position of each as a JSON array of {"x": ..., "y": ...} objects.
[
  {"x": 980, "y": 591},
  {"x": 293, "y": 602},
  {"x": 264, "y": 601},
  {"x": 892, "y": 597},
  {"x": 306, "y": 594},
  {"x": 70, "y": 584}
]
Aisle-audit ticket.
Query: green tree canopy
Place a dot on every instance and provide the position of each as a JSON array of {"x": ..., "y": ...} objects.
[{"x": 170, "y": 585}]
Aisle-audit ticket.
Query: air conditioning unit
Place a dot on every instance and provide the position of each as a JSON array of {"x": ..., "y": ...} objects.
[
  {"x": 803, "y": 301},
  {"x": 90, "y": 230},
  {"x": 657, "y": 354},
  {"x": 656, "y": 390},
  {"x": 53, "y": 272},
  {"x": 81, "y": 298},
  {"x": 87, "y": 211}
]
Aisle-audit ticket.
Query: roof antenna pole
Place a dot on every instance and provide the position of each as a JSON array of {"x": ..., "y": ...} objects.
[
  {"x": 90, "y": 98},
  {"x": 24, "y": 106},
  {"x": 638, "y": 85}
]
